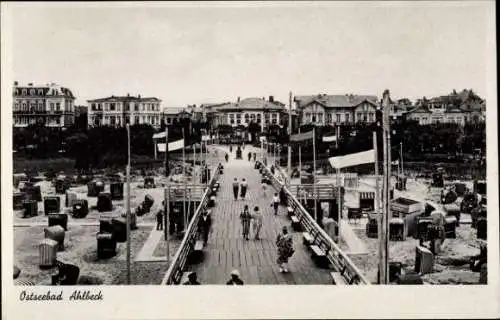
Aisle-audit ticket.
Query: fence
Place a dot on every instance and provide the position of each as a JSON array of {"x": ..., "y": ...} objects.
[
  {"x": 339, "y": 260},
  {"x": 176, "y": 268}
]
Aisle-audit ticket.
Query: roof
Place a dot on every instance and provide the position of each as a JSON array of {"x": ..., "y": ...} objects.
[
  {"x": 251, "y": 104},
  {"x": 47, "y": 90},
  {"x": 125, "y": 98},
  {"x": 419, "y": 109},
  {"x": 173, "y": 110},
  {"x": 335, "y": 101}
]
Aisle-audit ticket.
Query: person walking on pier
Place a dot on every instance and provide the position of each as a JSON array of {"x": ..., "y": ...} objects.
[
  {"x": 276, "y": 204},
  {"x": 236, "y": 188},
  {"x": 254, "y": 156},
  {"x": 159, "y": 220},
  {"x": 284, "y": 242},
  {"x": 227, "y": 157},
  {"x": 244, "y": 188},
  {"x": 192, "y": 279},
  {"x": 235, "y": 279},
  {"x": 245, "y": 217},
  {"x": 257, "y": 222},
  {"x": 204, "y": 227},
  {"x": 249, "y": 156}
]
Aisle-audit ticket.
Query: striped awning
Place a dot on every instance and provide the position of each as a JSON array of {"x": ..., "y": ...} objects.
[
  {"x": 23, "y": 282},
  {"x": 367, "y": 195}
]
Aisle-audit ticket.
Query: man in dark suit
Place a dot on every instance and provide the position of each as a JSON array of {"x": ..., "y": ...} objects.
[{"x": 204, "y": 225}]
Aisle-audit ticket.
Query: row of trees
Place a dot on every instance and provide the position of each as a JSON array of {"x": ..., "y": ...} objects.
[
  {"x": 448, "y": 142},
  {"x": 107, "y": 146},
  {"x": 97, "y": 147}
]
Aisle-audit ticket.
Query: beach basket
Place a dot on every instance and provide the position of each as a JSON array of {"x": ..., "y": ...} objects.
[{"x": 47, "y": 250}]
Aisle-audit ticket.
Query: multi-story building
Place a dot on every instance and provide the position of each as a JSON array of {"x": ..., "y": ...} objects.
[
  {"x": 50, "y": 105},
  {"x": 464, "y": 107},
  {"x": 118, "y": 111},
  {"x": 345, "y": 109},
  {"x": 250, "y": 110}
]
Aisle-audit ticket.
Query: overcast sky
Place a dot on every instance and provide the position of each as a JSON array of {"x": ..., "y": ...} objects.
[{"x": 191, "y": 54}]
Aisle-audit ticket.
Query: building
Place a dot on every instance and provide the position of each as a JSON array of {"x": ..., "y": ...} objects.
[
  {"x": 250, "y": 110},
  {"x": 173, "y": 115},
  {"x": 345, "y": 109},
  {"x": 461, "y": 108},
  {"x": 49, "y": 105},
  {"x": 120, "y": 110}
]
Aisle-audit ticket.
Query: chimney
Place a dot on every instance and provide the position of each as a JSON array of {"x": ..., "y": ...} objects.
[
  {"x": 16, "y": 83},
  {"x": 271, "y": 99},
  {"x": 30, "y": 84},
  {"x": 128, "y": 95},
  {"x": 238, "y": 99}
]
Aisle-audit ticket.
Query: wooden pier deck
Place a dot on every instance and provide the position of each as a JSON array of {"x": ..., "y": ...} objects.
[{"x": 254, "y": 259}]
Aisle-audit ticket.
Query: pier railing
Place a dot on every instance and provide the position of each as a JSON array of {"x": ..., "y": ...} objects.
[
  {"x": 338, "y": 259},
  {"x": 176, "y": 268}
]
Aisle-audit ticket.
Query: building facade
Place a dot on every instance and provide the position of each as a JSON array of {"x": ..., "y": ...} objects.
[
  {"x": 334, "y": 110},
  {"x": 50, "y": 105},
  {"x": 250, "y": 110},
  {"x": 119, "y": 111},
  {"x": 461, "y": 108}
]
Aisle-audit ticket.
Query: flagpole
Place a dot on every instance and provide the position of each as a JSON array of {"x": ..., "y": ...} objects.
[
  {"x": 339, "y": 205},
  {"x": 184, "y": 173},
  {"x": 194, "y": 162},
  {"x": 167, "y": 200},
  {"x": 128, "y": 204},
  {"x": 289, "y": 143},
  {"x": 314, "y": 176},
  {"x": 377, "y": 207},
  {"x": 384, "y": 279},
  {"x": 401, "y": 156},
  {"x": 300, "y": 161}
]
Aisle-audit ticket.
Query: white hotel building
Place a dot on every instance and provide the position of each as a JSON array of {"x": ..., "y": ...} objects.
[{"x": 118, "y": 111}]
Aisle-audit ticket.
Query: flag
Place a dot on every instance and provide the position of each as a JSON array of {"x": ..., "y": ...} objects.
[
  {"x": 352, "y": 159},
  {"x": 172, "y": 146},
  {"x": 159, "y": 135},
  {"x": 330, "y": 139},
  {"x": 299, "y": 137}
]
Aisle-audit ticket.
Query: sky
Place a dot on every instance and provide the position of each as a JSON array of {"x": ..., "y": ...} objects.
[{"x": 200, "y": 53}]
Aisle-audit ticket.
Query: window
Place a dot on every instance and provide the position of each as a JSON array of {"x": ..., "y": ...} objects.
[
  {"x": 371, "y": 116},
  {"x": 32, "y": 92},
  {"x": 99, "y": 107},
  {"x": 346, "y": 117},
  {"x": 320, "y": 117},
  {"x": 359, "y": 116},
  {"x": 52, "y": 106},
  {"x": 112, "y": 106},
  {"x": 16, "y": 106},
  {"x": 58, "y": 106},
  {"x": 136, "y": 119},
  {"x": 365, "y": 117},
  {"x": 93, "y": 106},
  {"x": 112, "y": 120},
  {"x": 329, "y": 117},
  {"x": 338, "y": 117},
  {"x": 308, "y": 116},
  {"x": 24, "y": 92},
  {"x": 247, "y": 117}
]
